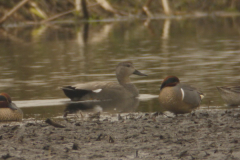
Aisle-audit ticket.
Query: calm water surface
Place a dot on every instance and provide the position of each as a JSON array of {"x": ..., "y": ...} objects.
[{"x": 36, "y": 60}]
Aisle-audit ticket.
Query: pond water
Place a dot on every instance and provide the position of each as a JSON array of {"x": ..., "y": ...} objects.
[{"x": 36, "y": 60}]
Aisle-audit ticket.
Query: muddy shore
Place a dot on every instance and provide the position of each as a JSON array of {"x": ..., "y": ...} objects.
[{"x": 204, "y": 134}]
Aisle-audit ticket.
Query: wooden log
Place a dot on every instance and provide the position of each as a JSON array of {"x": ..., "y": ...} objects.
[
  {"x": 57, "y": 16},
  {"x": 37, "y": 11},
  {"x": 107, "y": 6},
  {"x": 78, "y": 5},
  {"x": 166, "y": 7},
  {"x": 84, "y": 9},
  {"x": 146, "y": 10}
]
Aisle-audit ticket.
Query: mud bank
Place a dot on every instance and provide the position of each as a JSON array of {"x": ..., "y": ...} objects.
[{"x": 205, "y": 134}]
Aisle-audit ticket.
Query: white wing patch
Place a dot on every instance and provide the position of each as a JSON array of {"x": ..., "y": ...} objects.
[
  {"x": 97, "y": 90},
  {"x": 182, "y": 93}
]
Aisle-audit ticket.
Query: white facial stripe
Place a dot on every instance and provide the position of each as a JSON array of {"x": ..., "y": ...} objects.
[
  {"x": 97, "y": 90},
  {"x": 182, "y": 93}
]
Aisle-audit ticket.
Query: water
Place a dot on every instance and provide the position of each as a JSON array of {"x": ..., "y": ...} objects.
[{"x": 36, "y": 60}]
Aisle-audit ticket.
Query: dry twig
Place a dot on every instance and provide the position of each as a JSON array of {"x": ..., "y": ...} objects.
[{"x": 49, "y": 121}]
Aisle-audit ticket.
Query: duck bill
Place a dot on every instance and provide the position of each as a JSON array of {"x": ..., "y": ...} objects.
[
  {"x": 139, "y": 73},
  {"x": 12, "y": 106}
]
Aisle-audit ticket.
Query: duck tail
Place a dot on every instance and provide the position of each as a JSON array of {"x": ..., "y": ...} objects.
[
  {"x": 73, "y": 93},
  {"x": 201, "y": 96}
]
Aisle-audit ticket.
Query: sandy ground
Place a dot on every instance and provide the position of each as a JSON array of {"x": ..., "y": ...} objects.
[{"x": 204, "y": 134}]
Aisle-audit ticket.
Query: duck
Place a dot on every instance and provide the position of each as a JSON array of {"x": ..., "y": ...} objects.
[
  {"x": 177, "y": 97},
  {"x": 104, "y": 90},
  {"x": 8, "y": 110},
  {"x": 230, "y": 94}
]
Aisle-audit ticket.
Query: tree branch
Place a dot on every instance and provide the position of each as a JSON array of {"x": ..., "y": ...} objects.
[{"x": 8, "y": 14}]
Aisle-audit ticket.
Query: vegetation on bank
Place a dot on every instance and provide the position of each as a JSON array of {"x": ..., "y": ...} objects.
[{"x": 41, "y": 11}]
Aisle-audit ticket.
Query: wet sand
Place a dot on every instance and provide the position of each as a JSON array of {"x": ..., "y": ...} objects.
[{"x": 204, "y": 134}]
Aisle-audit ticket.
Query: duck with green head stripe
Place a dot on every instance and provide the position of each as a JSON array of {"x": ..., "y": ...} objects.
[
  {"x": 8, "y": 110},
  {"x": 177, "y": 97}
]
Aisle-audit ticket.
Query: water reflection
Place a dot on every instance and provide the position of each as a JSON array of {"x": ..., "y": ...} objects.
[
  {"x": 177, "y": 110},
  {"x": 203, "y": 52},
  {"x": 112, "y": 106}
]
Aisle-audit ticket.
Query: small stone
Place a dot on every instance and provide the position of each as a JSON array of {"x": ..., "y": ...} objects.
[
  {"x": 47, "y": 147},
  {"x": 6, "y": 156},
  {"x": 78, "y": 124},
  {"x": 75, "y": 146}
]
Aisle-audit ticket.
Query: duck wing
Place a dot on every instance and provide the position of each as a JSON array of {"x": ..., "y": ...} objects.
[
  {"x": 92, "y": 90},
  {"x": 191, "y": 95}
]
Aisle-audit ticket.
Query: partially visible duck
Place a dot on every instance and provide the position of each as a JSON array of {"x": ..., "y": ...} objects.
[
  {"x": 230, "y": 94},
  {"x": 177, "y": 97},
  {"x": 106, "y": 90},
  {"x": 8, "y": 110}
]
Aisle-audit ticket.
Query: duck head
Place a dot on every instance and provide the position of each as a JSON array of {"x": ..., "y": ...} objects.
[
  {"x": 6, "y": 101},
  {"x": 169, "y": 81},
  {"x": 126, "y": 69}
]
